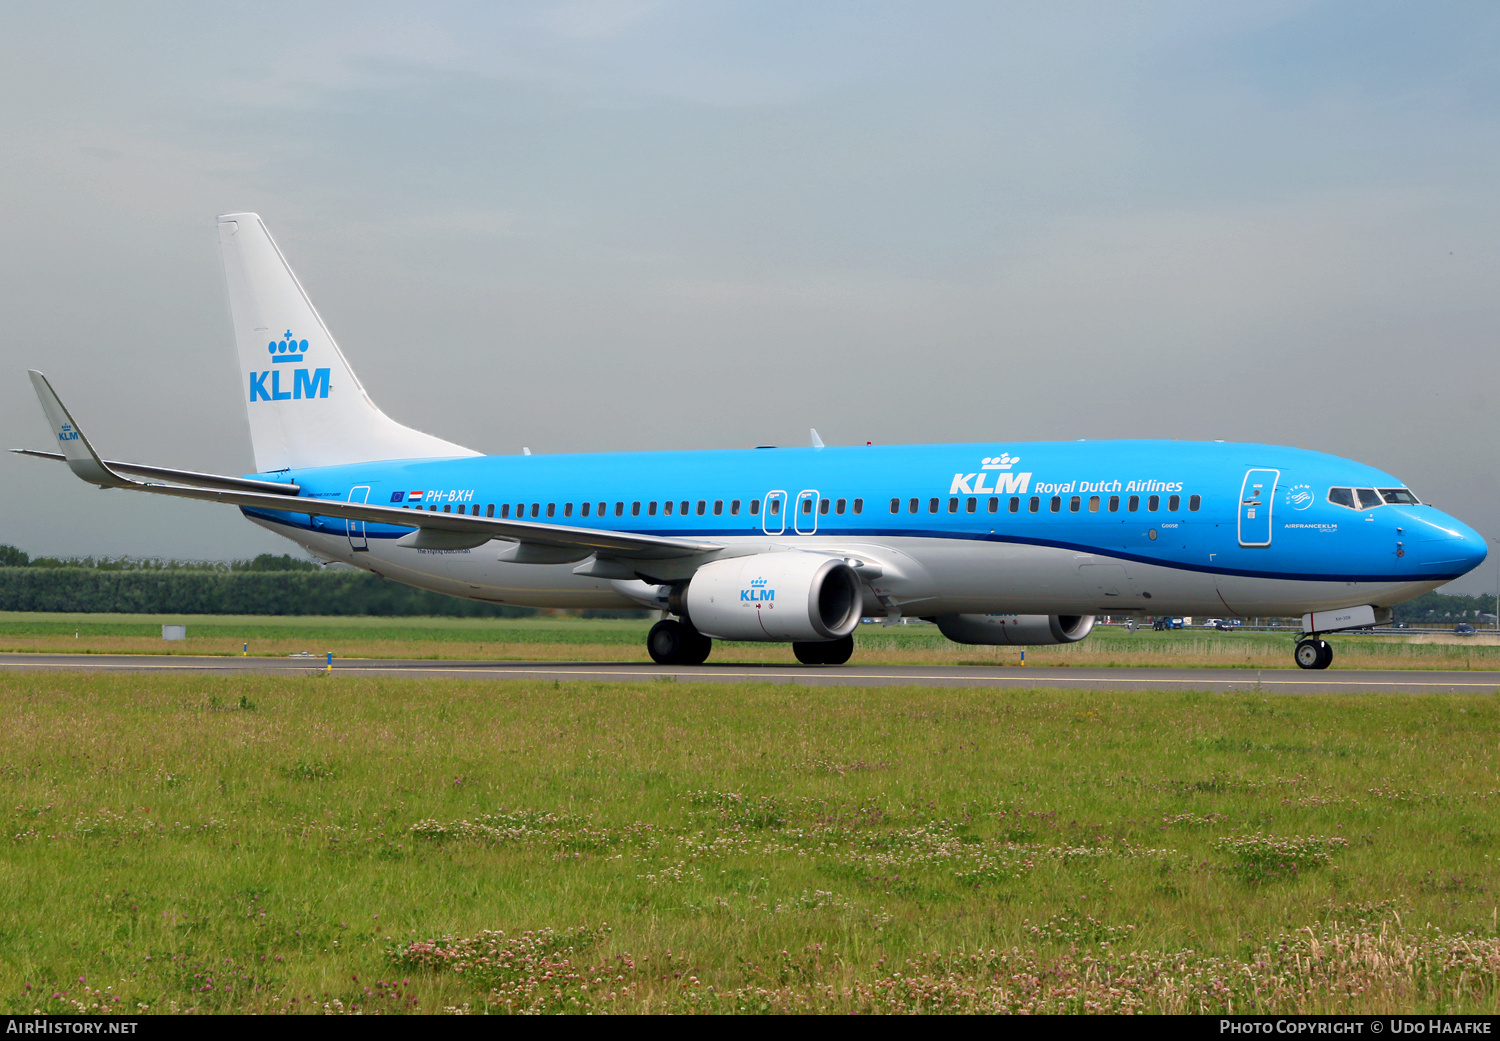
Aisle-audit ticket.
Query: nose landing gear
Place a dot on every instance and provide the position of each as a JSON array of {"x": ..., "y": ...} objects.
[{"x": 1313, "y": 654}]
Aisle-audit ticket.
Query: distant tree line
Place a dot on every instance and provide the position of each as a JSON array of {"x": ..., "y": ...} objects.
[
  {"x": 271, "y": 585},
  {"x": 289, "y": 585}
]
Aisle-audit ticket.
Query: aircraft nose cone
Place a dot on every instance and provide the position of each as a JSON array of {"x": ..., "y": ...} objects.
[{"x": 1443, "y": 545}]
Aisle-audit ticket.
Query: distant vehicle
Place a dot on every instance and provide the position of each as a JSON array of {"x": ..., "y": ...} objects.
[
  {"x": 1223, "y": 626},
  {"x": 1401, "y": 625},
  {"x": 1166, "y": 623},
  {"x": 1463, "y": 629}
]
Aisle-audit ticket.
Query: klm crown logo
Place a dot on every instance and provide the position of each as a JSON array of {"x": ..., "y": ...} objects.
[
  {"x": 306, "y": 383},
  {"x": 288, "y": 349},
  {"x": 1000, "y": 462}
]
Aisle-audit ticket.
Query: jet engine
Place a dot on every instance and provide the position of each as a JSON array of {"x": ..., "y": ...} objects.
[
  {"x": 775, "y": 596},
  {"x": 1022, "y": 629}
]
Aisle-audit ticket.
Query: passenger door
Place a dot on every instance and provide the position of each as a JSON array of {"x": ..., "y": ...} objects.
[{"x": 1257, "y": 495}]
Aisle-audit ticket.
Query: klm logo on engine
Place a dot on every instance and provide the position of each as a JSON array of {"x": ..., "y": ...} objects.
[
  {"x": 1006, "y": 483},
  {"x": 305, "y": 383},
  {"x": 757, "y": 593}
]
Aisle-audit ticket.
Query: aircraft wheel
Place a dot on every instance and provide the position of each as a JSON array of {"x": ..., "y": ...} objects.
[
  {"x": 1307, "y": 654},
  {"x": 673, "y": 643},
  {"x": 831, "y": 652},
  {"x": 1327, "y": 654}
]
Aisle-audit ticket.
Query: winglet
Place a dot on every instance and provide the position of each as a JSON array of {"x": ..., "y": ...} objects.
[
  {"x": 816, "y": 440},
  {"x": 79, "y": 454}
]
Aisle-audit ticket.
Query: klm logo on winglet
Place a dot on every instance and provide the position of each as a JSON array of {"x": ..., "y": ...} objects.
[
  {"x": 757, "y": 592},
  {"x": 68, "y": 433},
  {"x": 306, "y": 383}
]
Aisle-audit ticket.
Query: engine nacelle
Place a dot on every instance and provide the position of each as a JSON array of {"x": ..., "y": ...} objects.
[
  {"x": 1021, "y": 629},
  {"x": 775, "y": 596}
]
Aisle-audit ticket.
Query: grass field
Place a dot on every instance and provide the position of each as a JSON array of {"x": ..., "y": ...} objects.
[
  {"x": 567, "y": 638},
  {"x": 319, "y": 844}
]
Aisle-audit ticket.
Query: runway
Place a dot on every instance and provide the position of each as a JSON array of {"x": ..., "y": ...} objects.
[{"x": 1281, "y": 681}]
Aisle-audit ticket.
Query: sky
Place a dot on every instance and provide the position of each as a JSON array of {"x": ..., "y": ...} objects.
[{"x": 633, "y": 225}]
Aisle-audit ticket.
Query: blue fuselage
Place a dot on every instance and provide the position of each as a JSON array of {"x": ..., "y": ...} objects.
[{"x": 1151, "y": 526}]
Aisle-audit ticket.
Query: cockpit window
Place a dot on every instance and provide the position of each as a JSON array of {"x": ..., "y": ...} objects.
[
  {"x": 1369, "y": 498},
  {"x": 1399, "y": 497},
  {"x": 1342, "y": 497}
]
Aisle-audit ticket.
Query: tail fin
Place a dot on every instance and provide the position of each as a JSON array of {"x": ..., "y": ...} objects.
[{"x": 306, "y": 406}]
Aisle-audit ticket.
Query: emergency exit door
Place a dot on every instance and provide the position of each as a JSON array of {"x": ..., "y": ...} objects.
[{"x": 1256, "y": 497}]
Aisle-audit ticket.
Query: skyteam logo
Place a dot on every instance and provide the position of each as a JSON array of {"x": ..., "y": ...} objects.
[
  {"x": 757, "y": 593},
  {"x": 1006, "y": 482},
  {"x": 1299, "y": 496},
  {"x": 306, "y": 383}
]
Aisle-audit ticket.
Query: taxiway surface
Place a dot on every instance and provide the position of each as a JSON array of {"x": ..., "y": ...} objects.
[{"x": 1286, "y": 681}]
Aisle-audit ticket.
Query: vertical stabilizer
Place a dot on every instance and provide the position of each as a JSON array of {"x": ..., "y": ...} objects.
[{"x": 306, "y": 406}]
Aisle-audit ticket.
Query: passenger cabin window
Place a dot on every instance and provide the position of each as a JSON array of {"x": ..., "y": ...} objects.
[
  {"x": 651, "y": 508},
  {"x": 603, "y": 508},
  {"x": 774, "y": 506},
  {"x": 619, "y": 509},
  {"x": 552, "y": 509},
  {"x": 1036, "y": 503},
  {"x": 994, "y": 503},
  {"x": 666, "y": 507},
  {"x": 859, "y": 506},
  {"x": 489, "y": 511},
  {"x": 1093, "y": 504},
  {"x": 1154, "y": 503},
  {"x": 505, "y": 510},
  {"x": 1174, "y": 503},
  {"x": 1015, "y": 504},
  {"x": 718, "y": 507},
  {"x": 702, "y": 507},
  {"x": 1074, "y": 503},
  {"x": 911, "y": 507},
  {"x": 823, "y": 507},
  {"x": 635, "y": 509},
  {"x": 840, "y": 505},
  {"x": 895, "y": 505},
  {"x": 932, "y": 505},
  {"x": 684, "y": 508},
  {"x": 1194, "y": 501},
  {"x": 953, "y": 505},
  {"x": 754, "y": 507},
  {"x": 1342, "y": 497},
  {"x": 1133, "y": 503},
  {"x": 734, "y": 508},
  {"x": 971, "y": 504},
  {"x": 1114, "y": 504},
  {"x": 447, "y": 509},
  {"x": 567, "y": 509},
  {"x": 1056, "y": 505},
  {"x": 1399, "y": 497},
  {"x": 584, "y": 508}
]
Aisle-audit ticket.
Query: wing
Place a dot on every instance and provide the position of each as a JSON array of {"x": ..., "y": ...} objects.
[{"x": 431, "y": 530}]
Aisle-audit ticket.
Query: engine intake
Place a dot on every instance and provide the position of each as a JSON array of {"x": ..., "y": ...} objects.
[
  {"x": 1019, "y": 629},
  {"x": 775, "y": 596}
]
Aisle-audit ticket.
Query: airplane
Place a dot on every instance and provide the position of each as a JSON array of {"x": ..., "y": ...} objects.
[{"x": 999, "y": 542}]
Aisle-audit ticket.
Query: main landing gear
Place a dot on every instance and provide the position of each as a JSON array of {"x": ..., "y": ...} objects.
[
  {"x": 677, "y": 643},
  {"x": 1313, "y": 654},
  {"x": 832, "y": 652}
]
